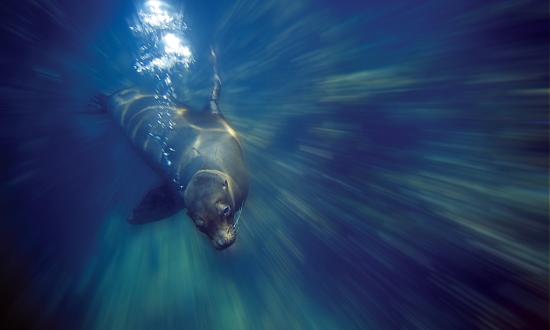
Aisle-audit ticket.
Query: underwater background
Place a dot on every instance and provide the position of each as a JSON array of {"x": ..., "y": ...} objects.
[{"x": 398, "y": 154}]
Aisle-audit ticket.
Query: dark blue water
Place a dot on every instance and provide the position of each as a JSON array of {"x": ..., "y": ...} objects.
[{"x": 398, "y": 154}]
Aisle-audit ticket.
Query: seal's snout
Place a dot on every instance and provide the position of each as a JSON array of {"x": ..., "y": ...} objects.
[
  {"x": 222, "y": 244},
  {"x": 224, "y": 239}
]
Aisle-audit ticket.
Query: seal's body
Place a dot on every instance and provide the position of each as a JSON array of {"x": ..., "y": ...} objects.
[{"x": 198, "y": 154}]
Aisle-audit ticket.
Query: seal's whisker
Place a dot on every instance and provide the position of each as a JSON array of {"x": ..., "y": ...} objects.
[{"x": 237, "y": 217}]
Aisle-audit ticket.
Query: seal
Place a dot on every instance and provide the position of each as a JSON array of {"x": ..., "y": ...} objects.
[{"x": 198, "y": 154}]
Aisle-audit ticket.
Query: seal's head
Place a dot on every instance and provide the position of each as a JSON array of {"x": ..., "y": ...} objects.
[{"x": 209, "y": 202}]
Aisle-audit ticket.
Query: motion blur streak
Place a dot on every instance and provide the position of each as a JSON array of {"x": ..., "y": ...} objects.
[{"x": 398, "y": 154}]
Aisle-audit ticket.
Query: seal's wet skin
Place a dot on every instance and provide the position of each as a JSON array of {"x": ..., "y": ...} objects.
[{"x": 196, "y": 152}]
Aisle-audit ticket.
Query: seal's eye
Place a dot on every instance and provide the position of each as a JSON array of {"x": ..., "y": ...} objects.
[{"x": 226, "y": 211}]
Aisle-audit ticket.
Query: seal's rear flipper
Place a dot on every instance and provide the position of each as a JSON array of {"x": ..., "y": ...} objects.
[
  {"x": 97, "y": 105},
  {"x": 157, "y": 204},
  {"x": 99, "y": 102}
]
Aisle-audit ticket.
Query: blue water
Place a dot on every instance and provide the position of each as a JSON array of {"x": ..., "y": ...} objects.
[{"x": 398, "y": 154}]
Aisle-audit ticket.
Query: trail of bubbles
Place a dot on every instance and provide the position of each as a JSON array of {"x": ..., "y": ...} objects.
[{"x": 159, "y": 29}]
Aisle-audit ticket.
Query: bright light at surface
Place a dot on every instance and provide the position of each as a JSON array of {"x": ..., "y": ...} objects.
[
  {"x": 172, "y": 44},
  {"x": 153, "y": 4},
  {"x": 159, "y": 29},
  {"x": 158, "y": 15}
]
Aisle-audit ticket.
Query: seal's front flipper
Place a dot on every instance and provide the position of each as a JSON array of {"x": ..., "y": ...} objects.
[{"x": 157, "y": 204}]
